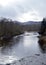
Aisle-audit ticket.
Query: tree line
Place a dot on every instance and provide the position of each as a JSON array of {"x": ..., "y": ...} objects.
[{"x": 9, "y": 27}]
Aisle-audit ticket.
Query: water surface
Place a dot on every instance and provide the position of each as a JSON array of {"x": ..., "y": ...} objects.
[{"x": 20, "y": 46}]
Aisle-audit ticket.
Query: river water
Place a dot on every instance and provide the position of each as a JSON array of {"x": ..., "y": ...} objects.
[{"x": 19, "y": 47}]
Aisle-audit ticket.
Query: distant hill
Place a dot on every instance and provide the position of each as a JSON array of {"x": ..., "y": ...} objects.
[
  {"x": 31, "y": 22},
  {"x": 32, "y": 26}
]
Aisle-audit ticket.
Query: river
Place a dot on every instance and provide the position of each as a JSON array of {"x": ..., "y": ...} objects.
[{"x": 19, "y": 47}]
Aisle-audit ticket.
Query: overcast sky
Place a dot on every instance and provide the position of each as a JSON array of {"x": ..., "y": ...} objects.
[{"x": 23, "y": 10}]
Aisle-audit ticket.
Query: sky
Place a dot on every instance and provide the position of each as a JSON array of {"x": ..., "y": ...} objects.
[{"x": 23, "y": 10}]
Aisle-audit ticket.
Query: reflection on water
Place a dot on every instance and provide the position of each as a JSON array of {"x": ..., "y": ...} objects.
[{"x": 21, "y": 46}]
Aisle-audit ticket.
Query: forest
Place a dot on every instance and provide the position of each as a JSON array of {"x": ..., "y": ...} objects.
[{"x": 10, "y": 28}]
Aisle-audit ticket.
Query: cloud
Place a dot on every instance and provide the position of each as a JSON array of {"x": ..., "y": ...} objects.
[
  {"x": 23, "y": 10},
  {"x": 30, "y": 15},
  {"x": 11, "y": 10},
  {"x": 6, "y": 2}
]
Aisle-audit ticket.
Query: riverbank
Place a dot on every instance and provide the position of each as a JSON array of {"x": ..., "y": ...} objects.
[
  {"x": 5, "y": 39},
  {"x": 42, "y": 41}
]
